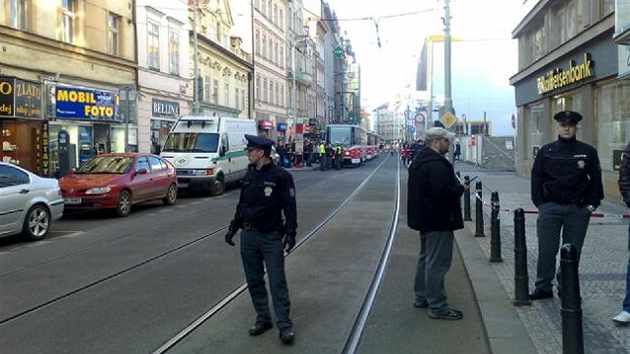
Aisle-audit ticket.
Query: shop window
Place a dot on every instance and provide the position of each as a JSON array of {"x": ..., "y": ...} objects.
[
  {"x": 534, "y": 125},
  {"x": 613, "y": 116}
]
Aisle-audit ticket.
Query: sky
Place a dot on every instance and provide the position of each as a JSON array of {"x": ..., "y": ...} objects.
[{"x": 403, "y": 26}]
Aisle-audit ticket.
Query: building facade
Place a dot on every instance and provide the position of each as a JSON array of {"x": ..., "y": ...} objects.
[
  {"x": 568, "y": 60},
  {"x": 164, "y": 89},
  {"x": 61, "y": 71}
]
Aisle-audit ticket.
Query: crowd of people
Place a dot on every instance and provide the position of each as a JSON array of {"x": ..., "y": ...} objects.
[{"x": 326, "y": 155}]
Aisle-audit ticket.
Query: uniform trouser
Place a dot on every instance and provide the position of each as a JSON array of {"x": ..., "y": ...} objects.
[
  {"x": 553, "y": 219},
  {"x": 258, "y": 250},
  {"x": 436, "y": 255},
  {"x": 626, "y": 300}
]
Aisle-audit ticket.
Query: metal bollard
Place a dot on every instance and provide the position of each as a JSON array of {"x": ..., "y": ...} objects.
[
  {"x": 521, "y": 280},
  {"x": 495, "y": 229},
  {"x": 479, "y": 232},
  {"x": 467, "y": 201},
  {"x": 572, "y": 335}
]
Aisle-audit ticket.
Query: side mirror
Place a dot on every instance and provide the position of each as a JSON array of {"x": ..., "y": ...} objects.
[
  {"x": 222, "y": 151},
  {"x": 142, "y": 171}
]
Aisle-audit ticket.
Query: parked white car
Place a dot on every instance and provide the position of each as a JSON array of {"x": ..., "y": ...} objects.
[{"x": 28, "y": 203}]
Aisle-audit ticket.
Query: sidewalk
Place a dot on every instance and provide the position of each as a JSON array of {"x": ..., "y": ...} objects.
[{"x": 602, "y": 269}]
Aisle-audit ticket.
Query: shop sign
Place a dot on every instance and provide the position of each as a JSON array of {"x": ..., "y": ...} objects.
[
  {"x": 265, "y": 124},
  {"x": 281, "y": 127},
  {"x": 558, "y": 78},
  {"x": 28, "y": 99},
  {"x": 162, "y": 108},
  {"x": 76, "y": 103},
  {"x": 6, "y": 97}
]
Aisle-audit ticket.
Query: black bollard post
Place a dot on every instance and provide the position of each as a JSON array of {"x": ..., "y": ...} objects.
[
  {"x": 479, "y": 232},
  {"x": 495, "y": 229},
  {"x": 572, "y": 335},
  {"x": 521, "y": 280},
  {"x": 467, "y": 201}
]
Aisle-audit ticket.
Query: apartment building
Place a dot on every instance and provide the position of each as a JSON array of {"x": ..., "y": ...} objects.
[{"x": 61, "y": 68}]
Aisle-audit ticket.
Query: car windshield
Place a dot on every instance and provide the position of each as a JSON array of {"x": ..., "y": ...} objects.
[
  {"x": 192, "y": 142},
  {"x": 107, "y": 164}
]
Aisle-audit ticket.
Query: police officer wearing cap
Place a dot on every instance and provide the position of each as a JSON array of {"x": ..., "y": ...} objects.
[
  {"x": 566, "y": 187},
  {"x": 267, "y": 193}
]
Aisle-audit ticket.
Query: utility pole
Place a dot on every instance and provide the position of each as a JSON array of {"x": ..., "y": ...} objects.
[
  {"x": 196, "y": 63},
  {"x": 448, "y": 101}
]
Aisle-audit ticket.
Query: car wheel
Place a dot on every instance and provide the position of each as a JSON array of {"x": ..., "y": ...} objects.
[
  {"x": 36, "y": 223},
  {"x": 218, "y": 186},
  {"x": 171, "y": 195},
  {"x": 123, "y": 208}
]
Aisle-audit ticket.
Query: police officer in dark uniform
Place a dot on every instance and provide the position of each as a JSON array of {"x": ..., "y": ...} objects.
[
  {"x": 566, "y": 187},
  {"x": 267, "y": 193}
]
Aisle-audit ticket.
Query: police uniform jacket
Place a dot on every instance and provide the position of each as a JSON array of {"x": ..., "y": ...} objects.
[
  {"x": 265, "y": 195},
  {"x": 433, "y": 201},
  {"x": 624, "y": 176},
  {"x": 567, "y": 172}
]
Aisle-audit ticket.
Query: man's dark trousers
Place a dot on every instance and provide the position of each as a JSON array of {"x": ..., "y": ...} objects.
[
  {"x": 572, "y": 220},
  {"x": 258, "y": 247}
]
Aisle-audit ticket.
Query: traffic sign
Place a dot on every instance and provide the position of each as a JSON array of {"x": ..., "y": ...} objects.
[
  {"x": 338, "y": 52},
  {"x": 419, "y": 118},
  {"x": 448, "y": 119}
]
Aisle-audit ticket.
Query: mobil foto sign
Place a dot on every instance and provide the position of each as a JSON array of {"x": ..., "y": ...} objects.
[{"x": 79, "y": 103}]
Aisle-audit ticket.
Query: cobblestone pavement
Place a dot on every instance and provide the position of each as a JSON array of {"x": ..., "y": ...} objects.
[{"x": 602, "y": 266}]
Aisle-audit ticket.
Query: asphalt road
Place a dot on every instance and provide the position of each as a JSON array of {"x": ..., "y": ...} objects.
[{"x": 102, "y": 284}]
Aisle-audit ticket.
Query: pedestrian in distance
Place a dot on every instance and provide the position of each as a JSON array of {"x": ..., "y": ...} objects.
[
  {"x": 433, "y": 209},
  {"x": 623, "y": 318},
  {"x": 96, "y": 149},
  {"x": 566, "y": 187},
  {"x": 267, "y": 196}
]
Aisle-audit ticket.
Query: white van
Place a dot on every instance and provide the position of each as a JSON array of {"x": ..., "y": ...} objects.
[{"x": 208, "y": 152}]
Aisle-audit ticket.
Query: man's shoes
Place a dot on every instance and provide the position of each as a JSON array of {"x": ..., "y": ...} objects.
[
  {"x": 622, "y": 319},
  {"x": 260, "y": 328},
  {"x": 420, "y": 304},
  {"x": 539, "y": 295},
  {"x": 448, "y": 315},
  {"x": 287, "y": 336}
]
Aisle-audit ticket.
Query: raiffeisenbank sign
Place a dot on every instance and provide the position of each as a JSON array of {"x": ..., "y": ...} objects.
[{"x": 558, "y": 78}]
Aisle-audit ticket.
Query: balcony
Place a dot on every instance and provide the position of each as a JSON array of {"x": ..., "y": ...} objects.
[{"x": 301, "y": 77}]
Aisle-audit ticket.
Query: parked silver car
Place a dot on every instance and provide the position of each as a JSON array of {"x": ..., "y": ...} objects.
[{"x": 29, "y": 203}]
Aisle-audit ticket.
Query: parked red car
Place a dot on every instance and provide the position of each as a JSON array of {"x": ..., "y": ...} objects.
[{"x": 119, "y": 180}]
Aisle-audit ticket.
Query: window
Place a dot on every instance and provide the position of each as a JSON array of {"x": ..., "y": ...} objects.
[
  {"x": 215, "y": 91},
  {"x": 276, "y": 93},
  {"x": 281, "y": 17},
  {"x": 68, "y": 10},
  {"x": 275, "y": 14},
  {"x": 10, "y": 176},
  {"x": 153, "y": 45},
  {"x": 264, "y": 45},
  {"x": 275, "y": 53},
  {"x": 156, "y": 164},
  {"x": 258, "y": 87},
  {"x": 236, "y": 98},
  {"x": 243, "y": 106},
  {"x": 282, "y": 95},
  {"x": 264, "y": 87},
  {"x": 143, "y": 163},
  {"x": 113, "y": 30},
  {"x": 226, "y": 93},
  {"x": 18, "y": 14},
  {"x": 281, "y": 57},
  {"x": 206, "y": 90},
  {"x": 612, "y": 120},
  {"x": 257, "y": 42},
  {"x": 173, "y": 51}
]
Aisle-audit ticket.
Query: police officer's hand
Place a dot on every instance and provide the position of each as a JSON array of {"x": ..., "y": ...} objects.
[
  {"x": 289, "y": 241},
  {"x": 229, "y": 236}
]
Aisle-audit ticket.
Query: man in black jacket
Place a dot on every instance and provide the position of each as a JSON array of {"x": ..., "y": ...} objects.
[
  {"x": 566, "y": 187},
  {"x": 433, "y": 208},
  {"x": 623, "y": 318}
]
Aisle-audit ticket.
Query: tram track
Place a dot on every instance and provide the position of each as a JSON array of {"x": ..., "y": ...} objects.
[
  {"x": 354, "y": 338},
  {"x": 177, "y": 250}
]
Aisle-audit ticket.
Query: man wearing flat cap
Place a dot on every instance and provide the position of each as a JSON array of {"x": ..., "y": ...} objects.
[
  {"x": 267, "y": 197},
  {"x": 566, "y": 187},
  {"x": 433, "y": 208}
]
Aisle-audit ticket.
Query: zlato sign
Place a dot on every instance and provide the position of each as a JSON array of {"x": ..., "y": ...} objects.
[{"x": 558, "y": 78}]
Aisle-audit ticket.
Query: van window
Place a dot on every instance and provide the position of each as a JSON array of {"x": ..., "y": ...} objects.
[
  {"x": 192, "y": 142},
  {"x": 225, "y": 143}
]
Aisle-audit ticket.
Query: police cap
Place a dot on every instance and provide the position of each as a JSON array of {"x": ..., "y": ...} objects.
[
  {"x": 567, "y": 117},
  {"x": 258, "y": 142}
]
